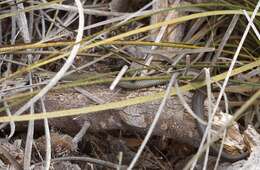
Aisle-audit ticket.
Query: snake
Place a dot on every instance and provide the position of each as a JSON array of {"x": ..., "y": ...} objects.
[{"x": 132, "y": 85}]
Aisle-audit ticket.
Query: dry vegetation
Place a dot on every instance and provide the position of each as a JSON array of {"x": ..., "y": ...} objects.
[{"x": 71, "y": 76}]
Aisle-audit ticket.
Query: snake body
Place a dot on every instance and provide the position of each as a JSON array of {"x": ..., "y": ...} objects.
[
  {"x": 131, "y": 85},
  {"x": 198, "y": 107},
  {"x": 141, "y": 84}
]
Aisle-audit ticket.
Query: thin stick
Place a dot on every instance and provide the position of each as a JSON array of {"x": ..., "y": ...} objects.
[
  {"x": 86, "y": 159},
  {"x": 47, "y": 138},
  {"x": 208, "y": 81},
  {"x": 155, "y": 120},
  {"x": 118, "y": 77},
  {"x": 77, "y": 138},
  {"x": 24, "y": 26},
  {"x": 252, "y": 25},
  {"x": 225, "y": 39}
]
